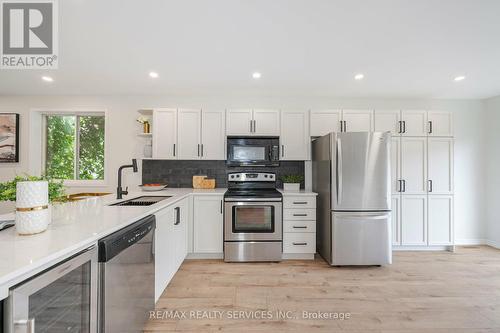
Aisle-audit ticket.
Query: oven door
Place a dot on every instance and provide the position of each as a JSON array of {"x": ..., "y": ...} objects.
[{"x": 253, "y": 220}]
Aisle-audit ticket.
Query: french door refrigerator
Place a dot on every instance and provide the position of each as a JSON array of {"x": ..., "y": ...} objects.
[{"x": 351, "y": 174}]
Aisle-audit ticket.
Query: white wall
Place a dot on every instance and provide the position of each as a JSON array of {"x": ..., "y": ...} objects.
[
  {"x": 123, "y": 144},
  {"x": 492, "y": 106}
]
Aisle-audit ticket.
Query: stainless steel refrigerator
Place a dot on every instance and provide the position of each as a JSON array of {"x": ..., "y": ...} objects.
[{"x": 351, "y": 174}]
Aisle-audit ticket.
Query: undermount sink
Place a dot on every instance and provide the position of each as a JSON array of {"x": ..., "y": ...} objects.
[{"x": 145, "y": 200}]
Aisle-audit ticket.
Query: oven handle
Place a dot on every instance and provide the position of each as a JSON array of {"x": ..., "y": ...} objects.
[{"x": 253, "y": 199}]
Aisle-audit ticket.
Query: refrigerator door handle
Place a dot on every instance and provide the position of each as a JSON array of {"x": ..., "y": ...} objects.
[{"x": 339, "y": 171}]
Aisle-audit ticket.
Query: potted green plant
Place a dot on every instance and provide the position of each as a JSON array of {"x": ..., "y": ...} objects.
[
  {"x": 291, "y": 183},
  {"x": 33, "y": 196}
]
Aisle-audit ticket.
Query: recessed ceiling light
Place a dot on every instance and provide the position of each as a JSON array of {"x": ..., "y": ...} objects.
[
  {"x": 256, "y": 75},
  {"x": 47, "y": 79},
  {"x": 359, "y": 76},
  {"x": 154, "y": 75},
  {"x": 460, "y": 78}
]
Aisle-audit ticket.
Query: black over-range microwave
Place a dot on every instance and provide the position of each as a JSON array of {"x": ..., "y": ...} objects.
[{"x": 252, "y": 151}]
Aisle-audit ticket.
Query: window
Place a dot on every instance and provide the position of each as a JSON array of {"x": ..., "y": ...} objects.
[{"x": 74, "y": 146}]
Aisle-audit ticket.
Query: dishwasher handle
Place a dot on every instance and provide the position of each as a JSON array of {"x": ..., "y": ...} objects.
[{"x": 112, "y": 245}]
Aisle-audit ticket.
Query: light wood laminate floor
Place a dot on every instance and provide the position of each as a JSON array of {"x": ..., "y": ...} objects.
[{"x": 434, "y": 292}]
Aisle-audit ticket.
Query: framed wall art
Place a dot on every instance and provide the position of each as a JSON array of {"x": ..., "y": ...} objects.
[{"x": 9, "y": 137}]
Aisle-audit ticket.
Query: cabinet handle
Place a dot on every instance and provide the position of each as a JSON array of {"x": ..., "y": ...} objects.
[
  {"x": 202, "y": 150},
  {"x": 299, "y": 227},
  {"x": 300, "y": 202},
  {"x": 177, "y": 215},
  {"x": 345, "y": 125},
  {"x": 404, "y": 185},
  {"x": 400, "y": 124},
  {"x": 341, "y": 126},
  {"x": 282, "y": 150},
  {"x": 174, "y": 149},
  {"x": 251, "y": 126},
  {"x": 400, "y": 186},
  {"x": 198, "y": 150},
  {"x": 430, "y": 127},
  {"x": 299, "y": 214},
  {"x": 221, "y": 206},
  {"x": 254, "y": 126},
  {"x": 430, "y": 185},
  {"x": 404, "y": 126},
  {"x": 299, "y": 243}
]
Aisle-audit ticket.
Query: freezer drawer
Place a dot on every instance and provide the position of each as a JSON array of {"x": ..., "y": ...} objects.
[{"x": 361, "y": 238}]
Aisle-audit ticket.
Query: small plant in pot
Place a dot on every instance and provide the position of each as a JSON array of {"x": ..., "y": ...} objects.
[
  {"x": 33, "y": 196},
  {"x": 291, "y": 183}
]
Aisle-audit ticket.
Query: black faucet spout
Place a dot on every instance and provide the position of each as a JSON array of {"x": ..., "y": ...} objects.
[{"x": 119, "y": 191}]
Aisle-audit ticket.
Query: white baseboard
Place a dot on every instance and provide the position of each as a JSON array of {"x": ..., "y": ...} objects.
[
  {"x": 298, "y": 256},
  {"x": 471, "y": 241},
  {"x": 205, "y": 256},
  {"x": 493, "y": 244},
  {"x": 422, "y": 248}
]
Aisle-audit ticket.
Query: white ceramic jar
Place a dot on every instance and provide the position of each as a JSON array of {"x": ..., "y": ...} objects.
[{"x": 32, "y": 207}]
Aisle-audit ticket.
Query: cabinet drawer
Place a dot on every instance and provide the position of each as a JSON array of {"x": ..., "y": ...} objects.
[
  {"x": 299, "y": 202},
  {"x": 299, "y": 214},
  {"x": 299, "y": 226},
  {"x": 299, "y": 242}
]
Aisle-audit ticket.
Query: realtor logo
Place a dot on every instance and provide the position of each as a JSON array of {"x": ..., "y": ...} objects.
[{"x": 29, "y": 34}]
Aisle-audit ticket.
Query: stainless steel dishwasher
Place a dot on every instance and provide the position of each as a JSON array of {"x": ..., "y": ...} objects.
[{"x": 126, "y": 278}]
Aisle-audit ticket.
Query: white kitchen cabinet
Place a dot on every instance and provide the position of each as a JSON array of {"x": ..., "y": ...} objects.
[
  {"x": 440, "y": 219},
  {"x": 357, "y": 120},
  {"x": 395, "y": 164},
  {"x": 207, "y": 224},
  {"x": 325, "y": 121},
  {"x": 440, "y": 123},
  {"x": 239, "y": 122},
  {"x": 189, "y": 134},
  {"x": 396, "y": 219},
  {"x": 413, "y": 219},
  {"x": 164, "y": 245},
  {"x": 414, "y": 165},
  {"x": 388, "y": 121},
  {"x": 181, "y": 220},
  {"x": 253, "y": 122},
  {"x": 213, "y": 139},
  {"x": 440, "y": 165},
  {"x": 165, "y": 133},
  {"x": 414, "y": 122},
  {"x": 294, "y": 139},
  {"x": 266, "y": 122}
]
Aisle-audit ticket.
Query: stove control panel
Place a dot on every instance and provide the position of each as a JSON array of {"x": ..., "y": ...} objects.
[{"x": 251, "y": 177}]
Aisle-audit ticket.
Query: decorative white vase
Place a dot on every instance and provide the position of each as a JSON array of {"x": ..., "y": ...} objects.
[
  {"x": 32, "y": 207},
  {"x": 291, "y": 187}
]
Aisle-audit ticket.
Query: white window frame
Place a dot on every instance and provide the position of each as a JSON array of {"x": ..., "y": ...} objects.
[{"x": 38, "y": 140}]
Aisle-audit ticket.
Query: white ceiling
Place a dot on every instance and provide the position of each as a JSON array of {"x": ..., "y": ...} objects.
[{"x": 405, "y": 48}]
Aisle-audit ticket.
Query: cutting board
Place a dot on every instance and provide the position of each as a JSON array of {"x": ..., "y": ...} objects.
[{"x": 202, "y": 182}]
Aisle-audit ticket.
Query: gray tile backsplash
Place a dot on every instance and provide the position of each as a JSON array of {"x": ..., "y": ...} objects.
[{"x": 179, "y": 173}]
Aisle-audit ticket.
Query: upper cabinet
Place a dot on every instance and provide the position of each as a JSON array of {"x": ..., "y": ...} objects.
[
  {"x": 414, "y": 122},
  {"x": 165, "y": 133},
  {"x": 326, "y": 121},
  {"x": 188, "y": 134},
  {"x": 357, "y": 120},
  {"x": 388, "y": 121},
  {"x": 213, "y": 140},
  {"x": 295, "y": 139},
  {"x": 253, "y": 122},
  {"x": 440, "y": 123}
]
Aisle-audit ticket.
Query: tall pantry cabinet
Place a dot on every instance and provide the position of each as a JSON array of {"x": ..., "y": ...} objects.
[{"x": 421, "y": 176}]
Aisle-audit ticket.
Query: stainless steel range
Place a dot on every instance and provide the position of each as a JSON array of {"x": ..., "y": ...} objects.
[{"x": 253, "y": 221}]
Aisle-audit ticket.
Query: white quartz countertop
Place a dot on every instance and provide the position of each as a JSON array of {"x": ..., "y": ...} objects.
[{"x": 77, "y": 226}]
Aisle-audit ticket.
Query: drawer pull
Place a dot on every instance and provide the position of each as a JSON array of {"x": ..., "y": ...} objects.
[
  {"x": 300, "y": 202},
  {"x": 300, "y": 227},
  {"x": 299, "y": 243},
  {"x": 299, "y": 214}
]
